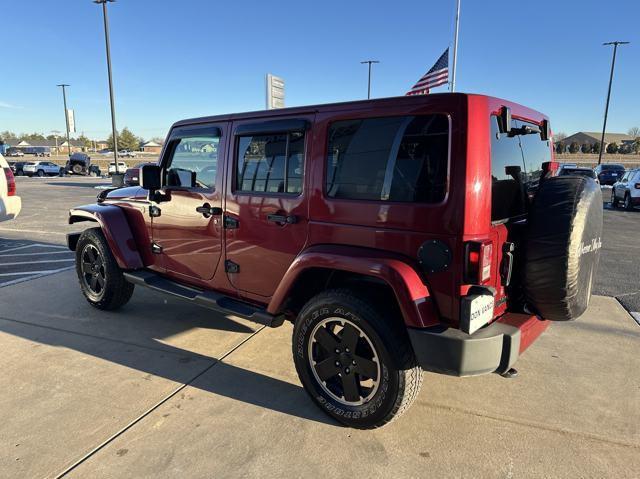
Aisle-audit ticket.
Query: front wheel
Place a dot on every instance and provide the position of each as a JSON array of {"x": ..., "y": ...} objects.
[
  {"x": 101, "y": 279},
  {"x": 354, "y": 361},
  {"x": 627, "y": 202},
  {"x": 614, "y": 200},
  {"x": 40, "y": 173}
]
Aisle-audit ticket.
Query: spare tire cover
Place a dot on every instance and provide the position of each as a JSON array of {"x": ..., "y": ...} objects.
[{"x": 562, "y": 246}]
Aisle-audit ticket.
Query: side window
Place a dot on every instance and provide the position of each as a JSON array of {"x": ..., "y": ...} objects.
[
  {"x": 401, "y": 159},
  {"x": 271, "y": 163},
  {"x": 625, "y": 178},
  {"x": 194, "y": 162}
]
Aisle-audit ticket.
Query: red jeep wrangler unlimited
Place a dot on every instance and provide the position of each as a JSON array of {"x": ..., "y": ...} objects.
[{"x": 398, "y": 235}]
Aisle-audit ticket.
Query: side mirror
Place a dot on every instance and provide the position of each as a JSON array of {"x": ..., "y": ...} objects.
[
  {"x": 545, "y": 131},
  {"x": 505, "y": 119},
  {"x": 151, "y": 178}
]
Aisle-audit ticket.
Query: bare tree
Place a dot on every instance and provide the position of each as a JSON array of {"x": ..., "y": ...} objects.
[
  {"x": 558, "y": 137},
  {"x": 634, "y": 132}
]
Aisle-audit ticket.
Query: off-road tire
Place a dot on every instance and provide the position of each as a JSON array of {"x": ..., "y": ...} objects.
[
  {"x": 77, "y": 169},
  {"x": 400, "y": 378},
  {"x": 116, "y": 291}
]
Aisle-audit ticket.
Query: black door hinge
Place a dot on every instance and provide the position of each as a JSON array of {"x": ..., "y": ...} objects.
[
  {"x": 156, "y": 248},
  {"x": 231, "y": 223},
  {"x": 231, "y": 267},
  {"x": 154, "y": 211}
]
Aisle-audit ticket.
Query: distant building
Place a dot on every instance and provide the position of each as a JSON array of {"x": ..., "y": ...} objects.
[
  {"x": 151, "y": 147},
  {"x": 593, "y": 137}
]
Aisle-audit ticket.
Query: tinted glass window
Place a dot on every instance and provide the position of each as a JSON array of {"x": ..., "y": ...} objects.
[
  {"x": 194, "y": 163},
  {"x": 271, "y": 163},
  {"x": 516, "y": 169},
  {"x": 389, "y": 159}
]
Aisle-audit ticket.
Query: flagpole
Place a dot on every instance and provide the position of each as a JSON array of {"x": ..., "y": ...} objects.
[{"x": 455, "y": 49}]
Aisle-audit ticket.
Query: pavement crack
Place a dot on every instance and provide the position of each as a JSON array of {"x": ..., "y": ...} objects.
[{"x": 154, "y": 407}]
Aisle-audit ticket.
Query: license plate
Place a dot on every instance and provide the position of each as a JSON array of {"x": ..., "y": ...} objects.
[{"x": 476, "y": 311}]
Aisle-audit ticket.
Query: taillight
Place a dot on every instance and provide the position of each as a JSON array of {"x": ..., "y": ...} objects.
[
  {"x": 550, "y": 168},
  {"x": 477, "y": 268},
  {"x": 11, "y": 181}
]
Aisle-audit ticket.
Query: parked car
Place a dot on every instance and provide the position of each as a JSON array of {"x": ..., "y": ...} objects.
[
  {"x": 16, "y": 167},
  {"x": 122, "y": 167},
  {"x": 10, "y": 202},
  {"x": 42, "y": 168},
  {"x": 15, "y": 152},
  {"x": 575, "y": 170},
  {"x": 391, "y": 232},
  {"x": 80, "y": 164},
  {"x": 126, "y": 154},
  {"x": 132, "y": 175},
  {"x": 609, "y": 173},
  {"x": 627, "y": 190}
]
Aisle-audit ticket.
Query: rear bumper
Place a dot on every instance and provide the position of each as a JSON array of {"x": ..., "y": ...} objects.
[{"x": 494, "y": 348}]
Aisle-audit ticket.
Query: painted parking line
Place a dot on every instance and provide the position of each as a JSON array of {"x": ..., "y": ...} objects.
[
  {"x": 40, "y": 253},
  {"x": 636, "y": 315},
  {"x": 31, "y": 276}
]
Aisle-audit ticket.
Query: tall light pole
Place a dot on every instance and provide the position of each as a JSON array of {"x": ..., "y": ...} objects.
[
  {"x": 606, "y": 108},
  {"x": 117, "y": 178},
  {"x": 455, "y": 49},
  {"x": 369, "y": 62},
  {"x": 66, "y": 114}
]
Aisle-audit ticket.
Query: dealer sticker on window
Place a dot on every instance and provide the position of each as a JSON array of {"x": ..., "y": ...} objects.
[{"x": 476, "y": 310}]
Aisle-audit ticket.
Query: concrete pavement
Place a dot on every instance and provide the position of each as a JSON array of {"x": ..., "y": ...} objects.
[{"x": 165, "y": 389}]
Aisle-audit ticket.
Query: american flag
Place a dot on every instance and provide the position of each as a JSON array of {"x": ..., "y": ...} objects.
[{"x": 438, "y": 75}]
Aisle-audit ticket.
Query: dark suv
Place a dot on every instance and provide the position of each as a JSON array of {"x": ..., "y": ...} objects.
[{"x": 397, "y": 235}]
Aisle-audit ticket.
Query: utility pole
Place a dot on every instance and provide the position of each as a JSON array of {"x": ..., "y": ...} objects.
[
  {"x": 117, "y": 178},
  {"x": 455, "y": 49},
  {"x": 66, "y": 114},
  {"x": 606, "y": 108},
  {"x": 369, "y": 62}
]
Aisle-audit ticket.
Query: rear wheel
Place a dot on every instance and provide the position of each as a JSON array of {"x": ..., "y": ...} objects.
[
  {"x": 101, "y": 279},
  {"x": 355, "y": 362},
  {"x": 627, "y": 202},
  {"x": 40, "y": 173}
]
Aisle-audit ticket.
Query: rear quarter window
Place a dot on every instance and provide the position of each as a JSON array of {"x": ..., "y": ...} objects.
[{"x": 403, "y": 159}]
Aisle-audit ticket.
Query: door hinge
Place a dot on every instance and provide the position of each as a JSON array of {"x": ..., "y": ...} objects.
[
  {"x": 231, "y": 267},
  {"x": 156, "y": 248},
  {"x": 154, "y": 211},
  {"x": 231, "y": 223}
]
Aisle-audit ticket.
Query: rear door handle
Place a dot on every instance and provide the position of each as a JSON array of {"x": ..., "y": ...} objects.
[
  {"x": 288, "y": 219},
  {"x": 207, "y": 210}
]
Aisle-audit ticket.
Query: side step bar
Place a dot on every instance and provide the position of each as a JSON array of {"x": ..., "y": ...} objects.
[{"x": 208, "y": 299}]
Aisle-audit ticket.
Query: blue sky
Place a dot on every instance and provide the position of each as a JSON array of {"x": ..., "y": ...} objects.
[{"x": 179, "y": 59}]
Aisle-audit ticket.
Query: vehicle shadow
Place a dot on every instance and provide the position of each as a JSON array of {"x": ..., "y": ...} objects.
[
  {"x": 83, "y": 184},
  {"x": 142, "y": 346}
]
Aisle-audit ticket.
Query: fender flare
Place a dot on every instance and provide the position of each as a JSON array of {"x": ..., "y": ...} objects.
[
  {"x": 116, "y": 230},
  {"x": 412, "y": 294}
]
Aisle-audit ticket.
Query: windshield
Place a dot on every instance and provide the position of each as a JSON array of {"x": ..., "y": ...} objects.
[{"x": 577, "y": 172}]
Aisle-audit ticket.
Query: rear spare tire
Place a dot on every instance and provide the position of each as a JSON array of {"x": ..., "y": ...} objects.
[
  {"x": 77, "y": 169},
  {"x": 562, "y": 247}
]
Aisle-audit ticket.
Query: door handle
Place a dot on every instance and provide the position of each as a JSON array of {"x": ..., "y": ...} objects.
[
  {"x": 207, "y": 210},
  {"x": 288, "y": 219}
]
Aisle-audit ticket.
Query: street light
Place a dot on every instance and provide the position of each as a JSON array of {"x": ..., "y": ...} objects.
[
  {"x": 369, "y": 82},
  {"x": 117, "y": 178},
  {"x": 66, "y": 114},
  {"x": 606, "y": 108}
]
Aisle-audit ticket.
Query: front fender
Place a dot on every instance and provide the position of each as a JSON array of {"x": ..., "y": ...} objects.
[
  {"x": 411, "y": 293},
  {"x": 116, "y": 230}
]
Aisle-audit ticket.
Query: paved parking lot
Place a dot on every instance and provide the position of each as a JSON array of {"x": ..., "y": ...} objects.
[{"x": 165, "y": 389}]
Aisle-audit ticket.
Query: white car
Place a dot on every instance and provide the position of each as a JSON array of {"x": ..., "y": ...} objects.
[
  {"x": 627, "y": 190},
  {"x": 126, "y": 154},
  {"x": 10, "y": 202},
  {"x": 41, "y": 168},
  {"x": 122, "y": 167}
]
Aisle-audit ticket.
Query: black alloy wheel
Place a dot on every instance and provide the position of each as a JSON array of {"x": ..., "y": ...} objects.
[{"x": 93, "y": 271}]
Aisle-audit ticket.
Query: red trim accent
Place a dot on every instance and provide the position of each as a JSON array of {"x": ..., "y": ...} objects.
[{"x": 531, "y": 327}]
